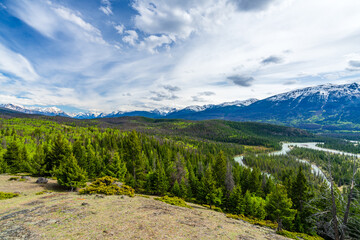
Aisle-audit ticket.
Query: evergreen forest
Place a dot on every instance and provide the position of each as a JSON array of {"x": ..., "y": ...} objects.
[{"x": 194, "y": 161}]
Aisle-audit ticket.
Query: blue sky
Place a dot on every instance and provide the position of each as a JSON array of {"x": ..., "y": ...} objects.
[{"x": 108, "y": 55}]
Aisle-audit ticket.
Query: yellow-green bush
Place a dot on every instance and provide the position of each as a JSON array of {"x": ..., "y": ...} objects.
[
  {"x": 213, "y": 208},
  {"x": 173, "y": 201},
  {"x": 265, "y": 223},
  {"x": 107, "y": 185},
  {"x": 295, "y": 235},
  {"x": 270, "y": 224},
  {"x": 43, "y": 192},
  {"x": 5, "y": 195},
  {"x": 14, "y": 178}
]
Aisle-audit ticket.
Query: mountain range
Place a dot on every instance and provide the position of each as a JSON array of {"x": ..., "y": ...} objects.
[{"x": 326, "y": 106}]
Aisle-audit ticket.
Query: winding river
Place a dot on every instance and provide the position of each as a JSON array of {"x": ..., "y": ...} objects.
[{"x": 286, "y": 147}]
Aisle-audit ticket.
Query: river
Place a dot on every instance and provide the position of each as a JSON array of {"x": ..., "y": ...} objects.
[{"x": 286, "y": 147}]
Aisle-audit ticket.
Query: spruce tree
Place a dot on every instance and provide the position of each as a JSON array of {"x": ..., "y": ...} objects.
[
  {"x": 12, "y": 157},
  {"x": 211, "y": 194},
  {"x": 58, "y": 152},
  {"x": 300, "y": 195},
  {"x": 3, "y": 165},
  {"x": 183, "y": 188},
  {"x": 278, "y": 207},
  {"x": 176, "y": 189},
  {"x": 116, "y": 168},
  {"x": 220, "y": 169},
  {"x": 69, "y": 174},
  {"x": 255, "y": 181},
  {"x": 236, "y": 201},
  {"x": 162, "y": 184},
  {"x": 194, "y": 184},
  {"x": 79, "y": 152},
  {"x": 25, "y": 165},
  {"x": 38, "y": 161}
]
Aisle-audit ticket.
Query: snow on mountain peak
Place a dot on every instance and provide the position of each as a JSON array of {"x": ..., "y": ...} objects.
[
  {"x": 34, "y": 110},
  {"x": 240, "y": 103},
  {"x": 352, "y": 89}
]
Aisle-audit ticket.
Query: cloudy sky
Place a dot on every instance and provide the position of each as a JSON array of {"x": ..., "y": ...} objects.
[{"x": 142, "y": 54}]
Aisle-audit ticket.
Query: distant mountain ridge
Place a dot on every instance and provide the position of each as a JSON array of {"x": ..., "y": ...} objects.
[
  {"x": 326, "y": 105},
  {"x": 48, "y": 111},
  {"x": 156, "y": 113}
]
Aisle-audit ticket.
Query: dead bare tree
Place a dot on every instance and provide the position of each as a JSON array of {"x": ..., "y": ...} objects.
[
  {"x": 334, "y": 210},
  {"x": 333, "y": 206}
]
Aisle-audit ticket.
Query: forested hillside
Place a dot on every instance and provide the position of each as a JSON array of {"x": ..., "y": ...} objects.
[{"x": 190, "y": 160}]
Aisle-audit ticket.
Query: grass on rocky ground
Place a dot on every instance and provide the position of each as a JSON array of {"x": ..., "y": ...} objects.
[
  {"x": 58, "y": 214},
  {"x": 272, "y": 225},
  {"x": 173, "y": 201}
]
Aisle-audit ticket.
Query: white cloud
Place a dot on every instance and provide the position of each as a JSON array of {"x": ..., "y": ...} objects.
[
  {"x": 210, "y": 41},
  {"x": 16, "y": 64},
  {"x": 131, "y": 37},
  {"x": 71, "y": 16},
  {"x": 152, "y": 42},
  {"x": 106, "y": 7},
  {"x": 175, "y": 18},
  {"x": 119, "y": 28},
  {"x": 50, "y": 19}
]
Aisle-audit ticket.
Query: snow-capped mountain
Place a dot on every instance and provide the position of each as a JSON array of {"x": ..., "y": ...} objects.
[
  {"x": 239, "y": 103},
  {"x": 326, "y": 105},
  {"x": 321, "y": 91},
  {"x": 48, "y": 111},
  {"x": 163, "y": 111},
  {"x": 86, "y": 115},
  {"x": 323, "y": 104}
]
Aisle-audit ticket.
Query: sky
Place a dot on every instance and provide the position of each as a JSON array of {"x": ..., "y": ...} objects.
[{"x": 107, "y": 55}]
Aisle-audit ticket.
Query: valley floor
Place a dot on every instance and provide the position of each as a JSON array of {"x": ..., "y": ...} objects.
[{"x": 68, "y": 215}]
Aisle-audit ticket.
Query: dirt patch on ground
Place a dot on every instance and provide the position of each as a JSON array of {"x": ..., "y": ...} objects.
[{"x": 66, "y": 215}]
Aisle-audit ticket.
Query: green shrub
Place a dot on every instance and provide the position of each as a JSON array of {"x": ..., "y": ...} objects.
[
  {"x": 173, "y": 201},
  {"x": 264, "y": 223},
  {"x": 217, "y": 209},
  {"x": 295, "y": 235},
  {"x": 141, "y": 195},
  {"x": 43, "y": 192},
  {"x": 14, "y": 179},
  {"x": 106, "y": 185},
  {"x": 5, "y": 195}
]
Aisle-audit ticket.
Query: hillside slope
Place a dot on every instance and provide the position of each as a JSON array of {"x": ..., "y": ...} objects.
[{"x": 66, "y": 215}]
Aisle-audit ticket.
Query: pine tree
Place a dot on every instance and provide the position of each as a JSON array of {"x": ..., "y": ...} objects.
[
  {"x": 183, "y": 188},
  {"x": 269, "y": 186},
  {"x": 58, "y": 152},
  {"x": 211, "y": 194},
  {"x": 136, "y": 160},
  {"x": 255, "y": 182},
  {"x": 25, "y": 165},
  {"x": 220, "y": 169},
  {"x": 278, "y": 207},
  {"x": 12, "y": 157},
  {"x": 236, "y": 201},
  {"x": 79, "y": 152},
  {"x": 69, "y": 174},
  {"x": 194, "y": 184},
  {"x": 300, "y": 194},
  {"x": 140, "y": 173},
  {"x": 38, "y": 161},
  {"x": 176, "y": 189},
  {"x": 116, "y": 168},
  {"x": 162, "y": 184},
  {"x": 3, "y": 165}
]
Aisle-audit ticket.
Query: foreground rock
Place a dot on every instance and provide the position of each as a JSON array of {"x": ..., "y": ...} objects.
[{"x": 42, "y": 180}]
